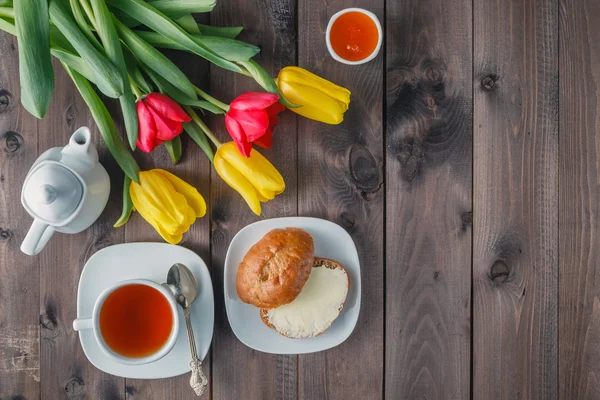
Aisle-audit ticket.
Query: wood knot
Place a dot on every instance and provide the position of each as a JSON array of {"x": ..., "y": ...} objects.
[
  {"x": 101, "y": 240},
  {"x": 411, "y": 156},
  {"x": 219, "y": 216},
  {"x": 466, "y": 220},
  {"x": 347, "y": 220},
  {"x": 436, "y": 274},
  {"x": 369, "y": 195},
  {"x": 5, "y": 100},
  {"x": 433, "y": 72},
  {"x": 430, "y": 101},
  {"x": 5, "y": 234},
  {"x": 12, "y": 142},
  {"x": 499, "y": 272},
  {"x": 130, "y": 391},
  {"x": 48, "y": 319},
  {"x": 488, "y": 82},
  {"x": 74, "y": 386},
  {"x": 70, "y": 114},
  {"x": 364, "y": 171}
]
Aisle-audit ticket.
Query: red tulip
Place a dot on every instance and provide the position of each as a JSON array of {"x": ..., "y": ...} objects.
[
  {"x": 159, "y": 119},
  {"x": 251, "y": 119}
]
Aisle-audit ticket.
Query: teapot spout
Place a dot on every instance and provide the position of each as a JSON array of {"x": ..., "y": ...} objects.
[{"x": 80, "y": 152}]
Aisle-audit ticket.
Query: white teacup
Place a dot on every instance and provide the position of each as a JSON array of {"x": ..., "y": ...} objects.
[{"x": 93, "y": 323}]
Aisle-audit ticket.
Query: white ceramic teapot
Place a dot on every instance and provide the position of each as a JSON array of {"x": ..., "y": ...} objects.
[{"x": 65, "y": 190}]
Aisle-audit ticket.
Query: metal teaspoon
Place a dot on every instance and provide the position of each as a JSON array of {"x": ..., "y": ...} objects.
[{"x": 182, "y": 283}]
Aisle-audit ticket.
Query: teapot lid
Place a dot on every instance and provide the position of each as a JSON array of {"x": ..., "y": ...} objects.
[{"x": 52, "y": 192}]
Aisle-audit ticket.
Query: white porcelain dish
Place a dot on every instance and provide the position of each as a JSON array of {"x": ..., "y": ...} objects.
[
  {"x": 146, "y": 261},
  {"x": 373, "y": 18},
  {"x": 331, "y": 241}
]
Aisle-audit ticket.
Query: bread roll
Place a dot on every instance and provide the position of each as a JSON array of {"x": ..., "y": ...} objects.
[
  {"x": 316, "y": 307},
  {"x": 275, "y": 269}
]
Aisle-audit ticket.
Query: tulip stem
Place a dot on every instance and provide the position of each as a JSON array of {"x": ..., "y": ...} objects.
[
  {"x": 202, "y": 126},
  {"x": 135, "y": 89},
  {"x": 211, "y": 99}
]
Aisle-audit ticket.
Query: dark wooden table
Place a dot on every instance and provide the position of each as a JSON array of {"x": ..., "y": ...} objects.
[{"x": 467, "y": 171}]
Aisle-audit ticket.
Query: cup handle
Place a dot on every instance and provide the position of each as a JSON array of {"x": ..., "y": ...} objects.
[
  {"x": 83, "y": 323},
  {"x": 36, "y": 238}
]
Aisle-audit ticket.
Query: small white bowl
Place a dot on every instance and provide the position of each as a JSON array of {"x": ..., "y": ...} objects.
[{"x": 379, "y": 34}]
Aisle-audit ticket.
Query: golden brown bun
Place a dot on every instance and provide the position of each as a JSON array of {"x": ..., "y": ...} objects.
[
  {"x": 275, "y": 269},
  {"x": 318, "y": 262}
]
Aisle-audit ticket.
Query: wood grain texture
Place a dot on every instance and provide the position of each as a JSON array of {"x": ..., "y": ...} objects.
[
  {"x": 429, "y": 190},
  {"x": 515, "y": 260},
  {"x": 194, "y": 168},
  {"x": 238, "y": 371},
  {"x": 340, "y": 175},
  {"x": 65, "y": 370},
  {"x": 19, "y": 273},
  {"x": 579, "y": 200}
]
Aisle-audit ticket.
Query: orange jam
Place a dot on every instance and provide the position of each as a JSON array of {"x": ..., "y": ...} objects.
[{"x": 354, "y": 36}]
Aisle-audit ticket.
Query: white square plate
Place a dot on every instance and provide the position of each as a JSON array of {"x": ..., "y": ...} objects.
[
  {"x": 331, "y": 241},
  {"x": 146, "y": 261}
]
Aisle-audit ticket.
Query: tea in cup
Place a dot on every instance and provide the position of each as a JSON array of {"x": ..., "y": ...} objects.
[{"x": 134, "y": 322}]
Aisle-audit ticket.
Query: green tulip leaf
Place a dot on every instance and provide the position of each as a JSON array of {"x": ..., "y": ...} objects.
[
  {"x": 178, "y": 8},
  {"x": 102, "y": 67},
  {"x": 112, "y": 47},
  {"x": 127, "y": 204},
  {"x": 154, "y": 60},
  {"x": 159, "y": 22},
  {"x": 80, "y": 19},
  {"x": 35, "y": 63},
  {"x": 188, "y": 23},
  {"x": 229, "y": 49},
  {"x": 135, "y": 74},
  {"x": 174, "y": 149},
  {"x": 200, "y": 138},
  {"x": 224, "y": 32}
]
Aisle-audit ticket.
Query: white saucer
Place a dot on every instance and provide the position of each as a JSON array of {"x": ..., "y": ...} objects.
[
  {"x": 146, "y": 261},
  {"x": 331, "y": 241}
]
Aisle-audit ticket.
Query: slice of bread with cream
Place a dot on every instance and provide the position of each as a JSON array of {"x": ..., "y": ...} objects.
[{"x": 316, "y": 307}]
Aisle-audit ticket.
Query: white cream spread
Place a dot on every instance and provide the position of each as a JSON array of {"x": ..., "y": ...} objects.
[{"x": 315, "y": 308}]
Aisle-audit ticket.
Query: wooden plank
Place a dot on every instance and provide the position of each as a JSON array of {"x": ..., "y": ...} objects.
[
  {"x": 515, "y": 261},
  {"x": 194, "y": 168},
  {"x": 239, "y": 372},
  {"x": 579, "y": 200},
  {"x": 429, "y": 194},
  {"x": 65, "y": 370},
  {"x": 19, "y": 285},
  {"x": 340, "y": 172}
]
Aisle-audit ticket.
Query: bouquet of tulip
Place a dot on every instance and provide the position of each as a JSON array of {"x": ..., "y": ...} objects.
[{"x": 112, "y": 47}]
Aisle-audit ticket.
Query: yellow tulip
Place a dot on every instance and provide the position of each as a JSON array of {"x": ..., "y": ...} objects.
[
  {"x": 255, "y": 178},
  {"x": 319, "y": 98},
  {"x": 168, "y": 203}
]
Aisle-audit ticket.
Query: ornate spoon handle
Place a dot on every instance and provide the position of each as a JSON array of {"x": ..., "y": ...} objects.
[{"x": 198, "y": 380}]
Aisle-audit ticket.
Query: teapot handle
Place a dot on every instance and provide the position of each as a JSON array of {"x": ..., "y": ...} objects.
[{"x": 36, "y": 238}]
